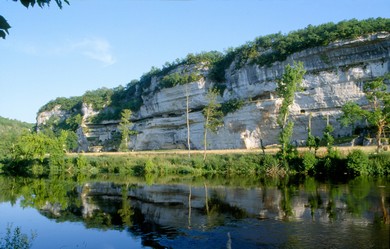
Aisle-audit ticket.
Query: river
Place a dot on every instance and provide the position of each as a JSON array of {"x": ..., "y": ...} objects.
[{"x": 191, "y": 212}]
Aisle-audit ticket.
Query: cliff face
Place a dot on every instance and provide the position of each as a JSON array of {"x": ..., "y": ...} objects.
[{"x": 335, "y": 74}]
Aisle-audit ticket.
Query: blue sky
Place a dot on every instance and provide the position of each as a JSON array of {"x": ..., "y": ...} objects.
[{"x": 106, "y": 43}]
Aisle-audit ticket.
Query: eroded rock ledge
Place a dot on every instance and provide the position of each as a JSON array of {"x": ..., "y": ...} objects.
[{"x": 335, "y": 74}]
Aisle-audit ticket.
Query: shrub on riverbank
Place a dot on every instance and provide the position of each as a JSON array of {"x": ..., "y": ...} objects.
[{"x": 379, "y": 164}]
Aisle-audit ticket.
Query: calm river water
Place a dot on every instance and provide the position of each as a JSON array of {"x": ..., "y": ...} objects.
[{"x": 118, "y": 212}]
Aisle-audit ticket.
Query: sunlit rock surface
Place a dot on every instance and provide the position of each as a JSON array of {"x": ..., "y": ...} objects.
[{"x": 335, "y": 74}]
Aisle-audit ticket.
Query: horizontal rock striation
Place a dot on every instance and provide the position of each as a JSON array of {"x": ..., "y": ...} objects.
[{"x": 335, "y": 74}]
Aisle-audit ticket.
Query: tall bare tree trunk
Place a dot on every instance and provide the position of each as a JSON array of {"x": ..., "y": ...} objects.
[
  {"x": 386, "y": 217},
  {"x": 205, "y": 143},
  {"x": 205, "y": 136},
  {"x": 283, "y": 127},
  {"x": 381, "y": 127},
  {"x": 206, "y": 200},
  {"x": 189, "y": 207},
  {"x": 188, "y": 122}
]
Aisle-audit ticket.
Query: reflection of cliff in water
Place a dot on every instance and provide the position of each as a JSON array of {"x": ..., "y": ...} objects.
[
  {"x": 166, "y": 212},
  {"x": 181, "y": 206}
]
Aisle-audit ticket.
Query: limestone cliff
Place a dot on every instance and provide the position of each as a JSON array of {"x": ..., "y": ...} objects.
[{"x": 335, "y": 74}]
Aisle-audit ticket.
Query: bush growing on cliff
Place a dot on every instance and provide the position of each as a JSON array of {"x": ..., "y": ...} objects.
[
  {"x": 66, "y": 104},
  {"x": 231, "y": 106},
  {"x": 99, "y": 98},
  {"x": 122, "y": 98},
  {"x": 175, "y": 79},
  {"x": 204, "y": 57},
  {"x": 218, "y": 69}
]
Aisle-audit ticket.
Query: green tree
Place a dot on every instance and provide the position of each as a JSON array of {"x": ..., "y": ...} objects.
[
  {"x": 213, "y": 116},
  {"x": 312, "y": 141},
  {"x": 4, "y": 25},
  {"x": 176, "y": 79},
  {"x": 74, "y": 121},
  {"x": 357, "y": 162},
  {"x": 286, "y": 87},
  {"x": 377, "y": 113},
  {"x": 30, "y": 147},
  {"x": 71, "y": 143},
  {"x": 124, "y": 127},
  {"x": 10, "y": 130},
  {"x": 327, "y": 138},
  {"x": 38, "y": 146}
]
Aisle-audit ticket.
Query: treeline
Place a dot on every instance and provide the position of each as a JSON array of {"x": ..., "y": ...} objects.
[
  {"x": 276, "y": 47},
  {"x": 333, "y": 166},
  {"x": 265, "y": 50},
  {"x": 32, "y": 151},
  {"x": 10, "y": 130}
]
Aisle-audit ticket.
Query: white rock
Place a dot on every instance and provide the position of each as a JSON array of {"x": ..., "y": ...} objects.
[{"x": 335, "y": 75}]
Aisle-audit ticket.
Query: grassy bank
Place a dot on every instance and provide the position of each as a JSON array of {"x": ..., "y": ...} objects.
[
  {"x": 342, "y": 162},
  {"x": 322, "y": 151}
]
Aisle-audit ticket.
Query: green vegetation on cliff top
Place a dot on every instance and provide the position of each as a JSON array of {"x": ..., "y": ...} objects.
[{"x": 263, "y": 51}]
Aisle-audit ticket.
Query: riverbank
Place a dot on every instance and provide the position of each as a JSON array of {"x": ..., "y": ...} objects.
[
  {"x": 340, "y": 162},
  {"x": 322, "y": 151},
  {"x": 335, "y": 163}
]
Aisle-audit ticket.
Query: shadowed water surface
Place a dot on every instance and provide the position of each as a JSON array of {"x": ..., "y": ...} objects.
[{"x": 197, "y": 212}]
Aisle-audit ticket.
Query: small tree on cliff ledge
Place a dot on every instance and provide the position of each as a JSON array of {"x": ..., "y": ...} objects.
[
  {"x": 377, "y": 113},
  {"x": 286, "y": 87}
]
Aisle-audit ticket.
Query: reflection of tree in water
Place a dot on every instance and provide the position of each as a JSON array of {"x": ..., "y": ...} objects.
[
  {"x": 287, "y": 189},
  {"x": 269, "y": 198},
  {"x": 333, "y": 195},
  {"x": 15, "y": 239},
  {"x": 218, "y": 206},
  {"x": 54, "y": 191},
  {"x": 218, "y": 210},
  {"x": 356, "y": 200},
  {"x": 315, "y": 201},
  {"x": 386, "y": 216},
  {"x": 126, "y": 211},
  {"x": 10, "y": 189}
]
